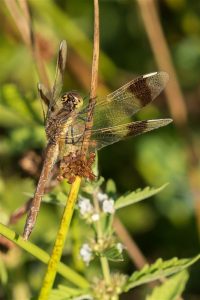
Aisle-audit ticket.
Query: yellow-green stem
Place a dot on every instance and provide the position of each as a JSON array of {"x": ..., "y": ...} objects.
[
  {"x": 41, "y": 255},
  {"x": 104, "y": 262},
  {"x": 105, "y": 269},
  {"x": 60, "y": 240}
]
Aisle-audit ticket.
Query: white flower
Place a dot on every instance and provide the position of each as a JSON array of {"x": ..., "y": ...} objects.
[
  {"x": 120, "y": 247},
  {"x": 95, "y": 217},
  {"x": 101, "y": 196},
  {"x": 108, "y": 206},
  {"x": 86, "y": 253},
  {"x": 85, "y": 206}
]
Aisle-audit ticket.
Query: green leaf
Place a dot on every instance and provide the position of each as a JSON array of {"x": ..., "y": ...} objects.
[
  {"x": 113, "y": 254},
  {"x": 64, "y": 293},
  {"x": 137, "y": 196},
  {"x": 41, "y": 255},
  {"x": 171, "y": 289},
  {"x": 159, "y": 270}
]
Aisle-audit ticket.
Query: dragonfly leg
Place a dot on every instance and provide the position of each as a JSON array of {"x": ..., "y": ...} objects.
[{"x": 72, "y": 135}]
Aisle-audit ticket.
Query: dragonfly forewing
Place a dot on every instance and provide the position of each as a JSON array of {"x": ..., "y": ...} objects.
[
  {"x": 58, "y": 81},
  {"x": 120, "y": 105},
  {"x": 44, "y": 93}
]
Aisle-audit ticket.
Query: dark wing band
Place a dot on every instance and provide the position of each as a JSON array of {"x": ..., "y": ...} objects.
[
  {"x": 128, "y": 100},
  {"x": 103, "y": 137}
]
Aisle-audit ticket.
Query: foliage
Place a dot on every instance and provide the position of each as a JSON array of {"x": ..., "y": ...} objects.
[
  {"x": 136, "y": 196},
  {"x": 64, "y": 292},
  {"x": 104, "y": 245},
  {"x": 158, "y": 270},
  {"x": 171, "y": 289}
]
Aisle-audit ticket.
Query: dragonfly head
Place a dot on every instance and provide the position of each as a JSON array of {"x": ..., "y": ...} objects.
[{"x": 72, "y": 101}]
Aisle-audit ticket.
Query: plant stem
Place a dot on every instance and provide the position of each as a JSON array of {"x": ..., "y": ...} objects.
[
  {"x": 41, "y": 255},
  {"x": 94, "y": 81},
  {"x": 105, "y": 269},
  {"x": 104, "y": 262},
  {"x": 132, "y": 248},
  {"x": 67, "y": 215},
  {"x": 60, "y": 240}
]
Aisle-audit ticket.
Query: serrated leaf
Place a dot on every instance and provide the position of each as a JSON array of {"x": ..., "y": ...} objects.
[
  {"x": 65, "y": 293},
  {"x": 113, "y": 254},
  {"x": 158, "y": 270},
  {"x": 171, "y": 289},
  {"x": 137, "y": 196}
]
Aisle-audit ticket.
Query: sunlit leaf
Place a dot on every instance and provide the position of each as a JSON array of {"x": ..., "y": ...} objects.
[
  {"x": 136, "y": 196},
  {"x": 171, "y": 289},
  {"x": 113, "y": 254},
  {"x": 158, "y": 270}
]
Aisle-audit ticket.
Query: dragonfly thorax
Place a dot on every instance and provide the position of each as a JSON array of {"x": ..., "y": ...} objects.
[{"x": 71, "y": 101}]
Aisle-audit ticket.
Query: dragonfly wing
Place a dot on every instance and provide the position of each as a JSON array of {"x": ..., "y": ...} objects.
[
  {"x": 100, "y": 138},
  {"x": 107, "y": 136},
  {"x": 60, "y": 67},
  {"x": 44, "y": 93},
  {"x": 128, "y": 100},
  {"x": 109, "y": 115},
  {"x": 45, "y": 96}
]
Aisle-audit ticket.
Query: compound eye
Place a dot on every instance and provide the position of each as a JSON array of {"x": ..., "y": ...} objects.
[{"x": 65, "y": 98}]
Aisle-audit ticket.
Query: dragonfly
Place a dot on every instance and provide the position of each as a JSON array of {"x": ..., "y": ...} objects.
[{"x": 66, "y": 117}]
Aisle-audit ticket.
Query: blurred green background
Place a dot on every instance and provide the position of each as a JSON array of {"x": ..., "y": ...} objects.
[{"x": 164, "y": 226}]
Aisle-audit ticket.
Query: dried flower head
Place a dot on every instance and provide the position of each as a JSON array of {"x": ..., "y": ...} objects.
[{"x": 75, "y": 164}]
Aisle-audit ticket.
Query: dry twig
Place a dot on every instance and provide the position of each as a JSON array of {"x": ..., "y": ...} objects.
[
  {"x": 132, "y": 248},
  {"x": 69, "y": 208}
]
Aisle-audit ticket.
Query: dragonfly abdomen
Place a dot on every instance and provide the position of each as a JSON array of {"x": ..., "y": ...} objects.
[{"x": 50, "y": 159}]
